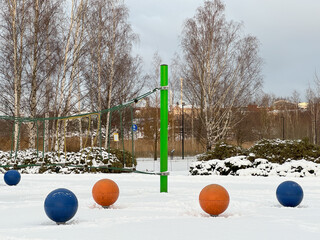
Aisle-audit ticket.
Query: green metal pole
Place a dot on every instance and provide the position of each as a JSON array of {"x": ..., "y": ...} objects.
[{"x": 164, "y": 128}]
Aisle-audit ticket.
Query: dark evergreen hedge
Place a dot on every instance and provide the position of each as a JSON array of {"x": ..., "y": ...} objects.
[{"x": 274, "y": 150}]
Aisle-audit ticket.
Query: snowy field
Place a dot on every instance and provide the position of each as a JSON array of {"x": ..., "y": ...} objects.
[{"x": 142, "y": 212}]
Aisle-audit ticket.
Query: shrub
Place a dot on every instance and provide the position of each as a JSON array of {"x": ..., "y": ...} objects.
[
  {"x": 239, "y": 166},
  {"x": 86, "y": 160},
  {"x": 274, "y": 150},
  {"x": 279, "y": 151},
  {"x": 222, "y": 151},
  {"x": 124, "y": 156}
]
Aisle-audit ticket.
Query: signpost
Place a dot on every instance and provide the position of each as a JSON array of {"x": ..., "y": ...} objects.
[
  {"x": 134, "y": 127},
  {"x": 116, "y": 137}
]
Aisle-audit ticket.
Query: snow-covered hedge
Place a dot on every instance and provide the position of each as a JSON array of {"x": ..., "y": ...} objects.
[
  {"x": 279, "y": 151},
  {"x": 86, "y": 160},
  {"x": 241, "y": 166},
  {"x": 274, "y": 150}
]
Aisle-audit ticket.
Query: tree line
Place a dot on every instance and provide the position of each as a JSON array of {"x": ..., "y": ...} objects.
[
  {"x": 60, "y": 57},
  {"x": 63, "y": 57}
]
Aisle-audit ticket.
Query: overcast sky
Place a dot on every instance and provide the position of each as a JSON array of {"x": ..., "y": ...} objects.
[{"x": 288, "y": 30}]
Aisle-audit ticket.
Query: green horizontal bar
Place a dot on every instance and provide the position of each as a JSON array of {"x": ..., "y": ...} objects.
[{"x": 78, "y": 166}]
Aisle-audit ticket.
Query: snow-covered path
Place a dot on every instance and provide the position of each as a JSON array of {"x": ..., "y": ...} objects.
[{"x": 142, "y": 212}]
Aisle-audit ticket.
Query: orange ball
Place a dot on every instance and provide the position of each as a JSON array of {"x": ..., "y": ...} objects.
[
  {"x": 214, "y": 199},
  {"x": 105, "y": 192}
]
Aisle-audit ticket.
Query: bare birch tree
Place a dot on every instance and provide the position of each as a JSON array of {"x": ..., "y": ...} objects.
[
  {"x": 40, "y": 65},
  {"x": 113, "y": 68},
  {"x": 154, "y": 82},
  {"x": 221, "y": 68},
  {"x": 67, "y": 82},
  {"x": 12, "y": 34},
  {"x": 53, "y": 49},
  {"x": 47, "y": 52},
  {"x": 30, "y": 27}
]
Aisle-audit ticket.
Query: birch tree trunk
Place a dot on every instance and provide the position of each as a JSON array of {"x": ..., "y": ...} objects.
[
  {"x": 79, "y": 31},
  {"x": 76, "y": 49},
  {"x": 99, "y": 53},
  {"x": 111, "y": 59},
  {"x": 58, "y": 145},
  {"x": 79, "y": 111},
  {"x": 47, "y": 135},
  {"x": 17, "y": 38},
  {"x": 34, "y": 84}
]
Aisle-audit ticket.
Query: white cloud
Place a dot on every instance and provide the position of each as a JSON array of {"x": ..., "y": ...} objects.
[{"x": 289, "y": 32}]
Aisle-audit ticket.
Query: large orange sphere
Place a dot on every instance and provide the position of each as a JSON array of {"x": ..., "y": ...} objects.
[
  {"x": 214, "y": 199},
  {"x": 105, "y": 192}
]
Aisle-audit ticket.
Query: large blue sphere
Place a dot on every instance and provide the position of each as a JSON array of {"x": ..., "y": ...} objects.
[
  {"x": 12, "y": 177},
  {"x": 289, "y": 194},
  {"x": 61, "y": 205}
]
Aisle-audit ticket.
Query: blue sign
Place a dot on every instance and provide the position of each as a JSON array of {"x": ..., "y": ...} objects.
[{"x": 134, "y": 127}]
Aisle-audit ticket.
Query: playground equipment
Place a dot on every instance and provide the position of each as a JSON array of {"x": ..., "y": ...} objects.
[
  {"x": 164, "y": 128},
  {"x": 289, "y": 194},
  {"x": 61, "y": 205},
  {"x": 105, "y": 192},
  {"x": 214, "y": 199},
  {"x": 12, "y": 177},
  {"x": 94, "y": 123}
]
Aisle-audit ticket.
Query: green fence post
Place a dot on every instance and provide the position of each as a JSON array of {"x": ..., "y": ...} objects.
[
  {"x": 18, "y": 142},
  {"x": 122, "y": 139},
  {"x": 12, "y": 139},
  {"x": 164, "y": 128},
  {"x": 132, "y": 136},
  {"x": 36, "y": 122},
  {"x": 109, "y": 129}
]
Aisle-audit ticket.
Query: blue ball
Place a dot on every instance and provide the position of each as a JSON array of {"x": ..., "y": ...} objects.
[
  {"x": 289, "y": 194},
  {"x": 12, "y": 177},
  {"x": 61, "y": 205}
]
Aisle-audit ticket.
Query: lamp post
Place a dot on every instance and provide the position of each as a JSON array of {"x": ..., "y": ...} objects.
[
  {"x": 315, "y": 123},
  {"x": 182, "y": 131}
]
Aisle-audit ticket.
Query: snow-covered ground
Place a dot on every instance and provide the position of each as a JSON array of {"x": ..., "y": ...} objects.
[{"x": 142, "y": 212}]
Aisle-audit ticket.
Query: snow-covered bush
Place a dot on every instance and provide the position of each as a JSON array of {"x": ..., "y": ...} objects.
[
  {"x": 86, "y": 160},
  {"x": 229, "y": 166},
  {"x": 240, "y": 166},
  {"x": 265, "y": 158}
]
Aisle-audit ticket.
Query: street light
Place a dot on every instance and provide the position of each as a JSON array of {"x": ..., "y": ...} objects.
[{"x": 182, "y": 129}]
